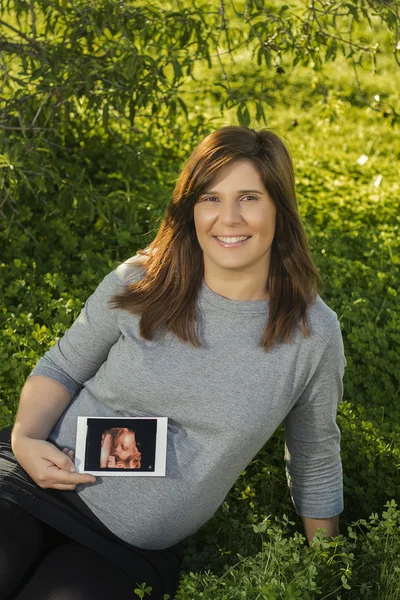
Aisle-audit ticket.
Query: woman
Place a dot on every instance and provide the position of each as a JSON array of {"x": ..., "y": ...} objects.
[{"x": 217, "y": 325}]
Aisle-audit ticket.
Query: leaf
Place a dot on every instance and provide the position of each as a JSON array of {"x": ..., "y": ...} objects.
[
  {"x": 185, "y": 38},
  {"x": 353, "y": 11},
  {"x": 177, "y": 70},
  {"x": 361, "y": 160},
  {"x": 183, "y": 105},
  {"x": 331, "y": 51},
  {"x": 267, "y": 56},
  {"x": 172, "y": 107},
  {"x": 378, "y": 180},
  {"x": 260, "y": 115},
  {"x": 243, "y": 115}
]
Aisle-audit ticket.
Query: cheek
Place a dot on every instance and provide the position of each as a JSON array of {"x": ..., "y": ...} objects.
[
  {"x": 198, "y": 221},
  {"x": 204, "y": 219},
  {"x": 267, "y": 220}
]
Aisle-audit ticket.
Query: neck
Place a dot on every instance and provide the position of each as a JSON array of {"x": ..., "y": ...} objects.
[{"x": 238, "y": 290}]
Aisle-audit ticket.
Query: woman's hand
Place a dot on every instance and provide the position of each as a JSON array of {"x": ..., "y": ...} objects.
[{"x": 48, "y": 466}]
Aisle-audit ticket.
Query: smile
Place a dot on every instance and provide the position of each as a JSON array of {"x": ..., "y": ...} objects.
[{"x": 238, "y": 241}]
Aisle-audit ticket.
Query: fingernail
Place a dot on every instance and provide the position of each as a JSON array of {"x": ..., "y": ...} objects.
[{"x": 72, "y": 469}]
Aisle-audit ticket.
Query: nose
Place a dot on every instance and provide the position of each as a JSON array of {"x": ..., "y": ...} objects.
[{"x": 230, "y": 213}]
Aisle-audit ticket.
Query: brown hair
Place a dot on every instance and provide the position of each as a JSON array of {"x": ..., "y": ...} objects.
[{"x": 174, "y": 267}]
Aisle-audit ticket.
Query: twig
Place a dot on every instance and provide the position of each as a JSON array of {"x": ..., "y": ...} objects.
[
  {"x": 39, "y": 109},
  {"x": 33, "y": 18},
  {"x": 23, "y": 35},
  {"x": 26, "y": 128},
  {"x": 224, "y": 26},
  {"x": 354, "y": 65},
  {"x": 28, "y": 232},
  {"x": 397, "y": 40},
  {"x": 21, "y": 48},
  {"x": 334, "y": 37},
  {"x": 5, "y": 72}
]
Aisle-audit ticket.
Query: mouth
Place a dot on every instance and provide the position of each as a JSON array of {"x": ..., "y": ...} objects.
[{"x": 231, "y": 244}]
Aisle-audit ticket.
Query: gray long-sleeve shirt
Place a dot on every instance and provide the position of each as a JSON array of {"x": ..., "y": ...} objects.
[{"x": 224, "y": 401}]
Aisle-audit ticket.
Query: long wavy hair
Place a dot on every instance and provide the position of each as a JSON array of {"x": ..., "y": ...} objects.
[{"x": 173, "y": 263}]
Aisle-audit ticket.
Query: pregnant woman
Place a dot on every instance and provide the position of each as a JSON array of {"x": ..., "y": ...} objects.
[{"x": 217, "y": 325}]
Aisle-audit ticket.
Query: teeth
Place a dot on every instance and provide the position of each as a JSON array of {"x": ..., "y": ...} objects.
[{"x": 231, "y": 240}]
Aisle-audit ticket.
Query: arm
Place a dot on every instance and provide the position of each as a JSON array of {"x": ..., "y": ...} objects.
[
  {"x": 55, "y": 380},
  {"x": 79, "y": 354},
  {"x": 76, "y": 357},
  {"x": 42, "y": 402},
  {"x": 58, "y": 376},
  {"x": 312, "y": 448},
  {"x": 331, "y": 524}
]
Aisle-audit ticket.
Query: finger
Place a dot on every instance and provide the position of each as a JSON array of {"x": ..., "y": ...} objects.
[
  {"x": 59, "y": 485},
  {"x": 68, "y": 478},
  {"x": 64, "y": 476},
  {"x": 62, "y": 486},
  {"x": 71, "y": 456},
  {"x": 73, "y": 479},
  {"x": 67, "y": 451},
  {"x": 58, "y": 458},
  {"x": 80, "y": 478}
]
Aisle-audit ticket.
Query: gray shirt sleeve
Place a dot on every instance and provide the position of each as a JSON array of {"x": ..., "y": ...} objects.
[
  {"x": 312, "y": 449},
  {"x": 78, "y": 355}
]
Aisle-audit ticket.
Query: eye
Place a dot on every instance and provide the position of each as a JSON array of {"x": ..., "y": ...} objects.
[
  {"x": 214, "y": 198},
  {"x": 251, "y": 197}
]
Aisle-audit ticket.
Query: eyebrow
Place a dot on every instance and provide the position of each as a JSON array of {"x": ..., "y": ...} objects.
[{"x": 238, "y": 192}]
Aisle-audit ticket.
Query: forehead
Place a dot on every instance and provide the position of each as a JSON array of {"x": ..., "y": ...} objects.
[
  {"x": 127, "y": 437},
  {"x": 240, "y": 175}
]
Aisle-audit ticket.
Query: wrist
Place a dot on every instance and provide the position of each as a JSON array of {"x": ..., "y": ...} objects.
[{"x": 17, "y": 439}]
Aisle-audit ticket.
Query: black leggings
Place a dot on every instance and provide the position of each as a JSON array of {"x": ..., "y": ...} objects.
[{"x": 36, "y": 561}]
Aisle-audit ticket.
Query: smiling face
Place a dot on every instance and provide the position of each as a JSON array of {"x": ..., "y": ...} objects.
[{"x": 236, "y": 204}]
